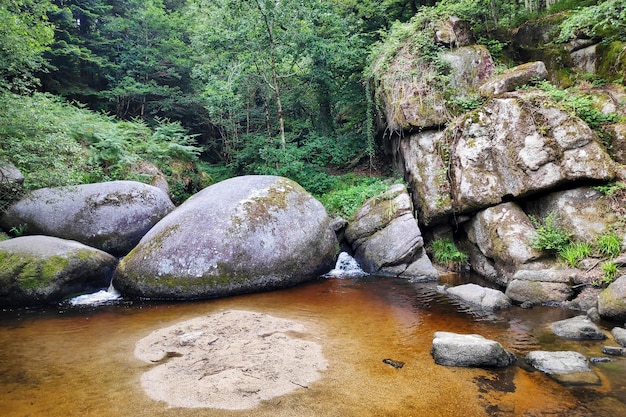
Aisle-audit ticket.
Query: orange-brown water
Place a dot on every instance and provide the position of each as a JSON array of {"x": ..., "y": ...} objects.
[{"x": 66, "y": 362}]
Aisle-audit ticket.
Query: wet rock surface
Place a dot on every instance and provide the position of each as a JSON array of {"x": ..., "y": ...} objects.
[{"x": 469, "y": 350}]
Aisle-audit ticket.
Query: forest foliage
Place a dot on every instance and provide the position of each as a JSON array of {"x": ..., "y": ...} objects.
[{"x": 92, "y": 87}]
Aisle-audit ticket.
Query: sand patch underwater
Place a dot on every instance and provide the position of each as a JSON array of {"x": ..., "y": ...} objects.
[{"x": 229, "y": 360}]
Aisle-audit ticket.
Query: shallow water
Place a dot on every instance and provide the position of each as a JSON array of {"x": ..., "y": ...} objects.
[{"x": 80, "y": 362}]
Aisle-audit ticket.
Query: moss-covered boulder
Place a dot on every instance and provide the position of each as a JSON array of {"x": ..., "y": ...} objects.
[
  {"x": 245, "y": 234},
  {"x": 410, "y": 87},
  {"x": 111, "y": 216},
  {"x": 612, "y": 301},
  {"x": 42, "y": 269}
]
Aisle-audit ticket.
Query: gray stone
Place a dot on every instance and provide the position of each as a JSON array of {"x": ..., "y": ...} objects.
[
  {"x": 612, "y": 300},
  {"x": 42, "y": 269},
  {"x": 485, "y": 298},
  {"x": 578, "y": 328},
  {"x": 585, "y": 58},
  {"x": 614, "y": 350},
  {"x": 245, "y": 234},
  {"x": 409, "y": 97},
  {"x": 469, "y": 350},
  {"x": 518, "y": 144},
  {"x": 453, "y": 32},
  {"x": 619, "y": 334},
  {"x": 386, "y": 238},
  {"x": 567, "y": 367},
  {"x": 538, "y": 292},
  {"x": 502, "y": 233},
  {"x": 513, "y": 78},
  {"x": 9, "y": 174},
  {"x": 111, "y": 216},
  {"x": 583, "y": 212}
]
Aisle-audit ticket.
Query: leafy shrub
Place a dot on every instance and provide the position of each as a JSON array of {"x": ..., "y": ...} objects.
[
  {"x": 549, "y": 237},
  {"x": 350, "y": 192},
  {"x": 54, "y": 143},
  {"x": 446, "y": 253}
]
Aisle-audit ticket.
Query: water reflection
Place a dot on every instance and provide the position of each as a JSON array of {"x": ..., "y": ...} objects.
[{"x": 68, "y": 361}]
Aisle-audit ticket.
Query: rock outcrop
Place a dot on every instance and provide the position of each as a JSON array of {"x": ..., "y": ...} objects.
[
  {"x": 111, "y": 216},
  {"x": 42, "y": 269},
  {"x": 386, "y": 239},
  {"x": 469, "y": 350},
  {"x": 245, "y": 234}
]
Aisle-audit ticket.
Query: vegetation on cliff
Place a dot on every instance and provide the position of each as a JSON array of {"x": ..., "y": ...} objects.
[{"x": 206, "y": 90}]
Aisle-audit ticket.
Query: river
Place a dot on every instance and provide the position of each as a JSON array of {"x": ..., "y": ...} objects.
[{"x": 67, "y": 361}]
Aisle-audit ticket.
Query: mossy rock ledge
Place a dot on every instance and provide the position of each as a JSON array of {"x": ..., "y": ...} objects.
[
  {"x": 245, "y": 234},
  {"x": 37, "y": 270}
]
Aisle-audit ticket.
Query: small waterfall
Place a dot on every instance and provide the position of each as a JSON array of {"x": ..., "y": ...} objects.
[
  {"x": 346, "y": 267},
  {"x": 96, "y": 298}
]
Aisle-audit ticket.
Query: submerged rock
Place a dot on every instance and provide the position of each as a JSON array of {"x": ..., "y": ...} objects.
[
  {"x": 42, "y": 269},
  {"x": 567, "y": 367},
  {"x": 578, "y": 328},
  {"x": 111, "y": 216},
  {"x": 469, "y": 350},
  {"x": 245, "y": 234},
  {"x": 485, "y": 298}
]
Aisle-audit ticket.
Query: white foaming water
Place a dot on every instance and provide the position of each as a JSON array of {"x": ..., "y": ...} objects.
[
  {"x": 96, "y": 298},
  {"x": 346, "y": 267}
]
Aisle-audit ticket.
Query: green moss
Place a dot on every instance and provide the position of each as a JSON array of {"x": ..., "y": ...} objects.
[
  {"x": 30, "y": 273},
  {"x": 613, "y": 61}
]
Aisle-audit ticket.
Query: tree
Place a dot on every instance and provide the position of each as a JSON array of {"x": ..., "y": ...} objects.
[
  {"x": 280, "y": 67},
  {"x": 25, "y": 34}
]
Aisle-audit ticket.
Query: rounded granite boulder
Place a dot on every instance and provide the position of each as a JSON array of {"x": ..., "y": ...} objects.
[
  {"x": 245, "y": 234},
  {"x": 42, "y": 269},
  {"x": 112, "y": 216}
]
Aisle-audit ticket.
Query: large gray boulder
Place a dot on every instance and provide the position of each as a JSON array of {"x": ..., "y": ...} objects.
[
  {"x": 111, "y": 216},
  {"x": 503, "y": 233},
  {"x": 42, "y": 269},
  {"x": 612, "y": 300},
  {"x": 469, "y": 350},
  {"x": 426, "y": 173},
  {"x": 485, "y": 298},
  {"x": 515, "y": 145},
  {"x": 519, "y": 144},
  {"x": 542, "y": 284},
  {"x": 583, "y": 212},
  {"x": 567, "y": 367},
  {"x": 577, "y": 328},
  {"x": 386, "y": 239},
  {"x": 245, "y": 234}
]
